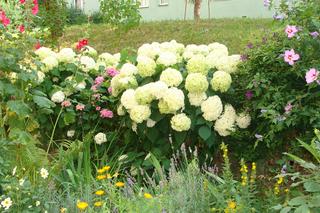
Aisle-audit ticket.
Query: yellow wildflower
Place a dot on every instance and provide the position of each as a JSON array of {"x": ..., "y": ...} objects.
[
  {"x": 100, "y": 192},
  {"x": 286, "y": 190},
  {"x": 106, "y": 168},
  {"x": 147, "y": 196},
  {"x": 109, "y": 176},
  {"x": 101, "y": 177},
  {"x": 63, "y": 210},
  {"x": 98, "y": 204},
  {"x": 280, "y": 180},
  {"x": 254, "y": 166},
  {"x": 100, "y": 171},
  {"x": 82, "y": 205},
  {"x": 120, "y": 184},
  {"x": 116, "y": 174},
  {"x": 232, "y": 204}
]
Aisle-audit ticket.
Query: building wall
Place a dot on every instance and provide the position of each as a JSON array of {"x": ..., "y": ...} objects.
[{"x": 175, "y": 9}]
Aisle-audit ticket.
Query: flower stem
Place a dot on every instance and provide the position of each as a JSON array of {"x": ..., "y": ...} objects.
[{"x": 53, "y": 131}]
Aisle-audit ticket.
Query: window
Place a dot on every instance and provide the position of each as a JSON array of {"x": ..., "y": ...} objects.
[
  {"x": 78, "y": 4},
  {"x": 163, "y": 2},
  {"x": 144, "y": 3}
]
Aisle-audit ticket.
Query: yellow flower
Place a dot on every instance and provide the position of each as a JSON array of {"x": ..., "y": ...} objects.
[
  {"x": 106, "y": 168},
  {"x": 98, "y": 204},
  {"x": 232, "y": 204},
  {"x": 120, "y": 184},
  {"x": 116, "y": 174},
  {"x": 109, "y": 176},
  {"x": 63, "y": 210},
  {"x": 100, "y": 171},
  {"x": 82, "y": 205},
  {"x": 101, "y": 177},
  {"x": 147, "y": 196},
  {"x": 280, "y": 180},
  {"x": 286, "y": 190},
  {"x": 100, "y": 192},
  {"x": 254, "y": 166}
]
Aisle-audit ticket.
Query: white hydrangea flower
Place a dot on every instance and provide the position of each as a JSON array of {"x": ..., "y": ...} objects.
[
  {"x": 87, "y": 63},
  {"x": 49, "y": 63},
  {"x": 71, "y": 133},
  {"x": 40, "y": 76},
  {"x": 196, "y": 83},
  {"x": 66, "y": 55},
  {"x": 171, "y": 77},
  {"x": 120, "y": 110},
  {"x": 149, "y": 50},
  {"x": 120, "y": 83},
  {"x": 90, "y": 51},
  {"x": 167, "y": 59},
  {"x": 217, "y": 47},
  {"x": 180, "y": 122},
  {"x": 108, "y": 59},
  {"x": 140, "y": 113},
  {"x": 197, "y": 64},
  {"x": 212, "y": 108},
  {"x": 172, "y": 101},
  {"x": 58, "y": 97},
  {"x": 226, "y": 123},
  {"x": 243, "y": 120},
  {"x": 187, "y": 55},
  {"x": 128, "y": 69},
  {"x": 229, "y": 64},
  {"x": 80, "y": 86},
  {"x": 100, "y": 138},
  {"x": 214, "y": 58},
  {"x": 158, "y": 89},
  {"x": 134, "y": 127},
  {"x": 221, "y": 81},
  {"x": 44, "y": 52},
  {"x": 151, "y": 123},
  {"x": 203, "y": 50},
  {"x": 128, "y": 99},
  {"x": 196, "y": 99},
  {"x": 144, "y": 94},
  {"x": 44, "y": 173},
  {"x": 146, "y": 66}
]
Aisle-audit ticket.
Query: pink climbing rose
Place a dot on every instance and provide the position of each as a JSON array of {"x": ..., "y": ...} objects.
[
  {"x": 99, "y": 80},
  {"x": 290, "y": 57},
  {"x": 66, "y": 103},
  {"x": 105, "y": 113},
  {"x": 112, "y": 72},
  {"x": 312, "y": 75},
  {"x": 80, "y": 107},
  {"x": 291, "y": 31}
]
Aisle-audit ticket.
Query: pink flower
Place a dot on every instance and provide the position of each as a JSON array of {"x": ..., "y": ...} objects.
[
  {"x": 22, "y": 1},
  {"x": 98, "y": 108},
  {"x": 66, "y": 103},
  {"x": 112, "y": 72},
  {"x": 288, "y": 108},
  {"x": 110, "y": 90},
  {"x": 105, "y": 113},
  {"x": 21, "y": 28},
  {"x": 80, "y": 107},
  {"x": 94, "y": 88},
  {"x": 35, "y": 9},
  {"x": 290, "y": 57},
  {"x": 96, "y": 96},
  {"x": 4, "y": 19},
  {"x": 99, "y": 80},
  {"x": 291, "y": 31},
  {"x": 249, "y": 95},
  {"x": 312, "y": 75}
]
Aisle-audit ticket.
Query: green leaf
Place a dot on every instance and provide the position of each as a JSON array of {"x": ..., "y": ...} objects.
[
  {"x": 19, "y": 107},
  {"x": 179, "y": 137},
  {"x": 285, "y": 210},
  {"x": 204, "y": 132},
  {"x": 42, "y": 102},
  {"x": 311, "y": 186},
  {"x": 152, "y": 134},
  {"x": 302, "y": 209},
  {"x": 297, "y": 201},
  {"x": 69, "y": 117}
]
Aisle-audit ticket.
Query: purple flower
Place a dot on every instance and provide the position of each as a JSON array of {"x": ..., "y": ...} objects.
[
  {"x": 314, "y": 34},
  {"x": 112, "y": 72},
  {"x": 249, "y": 95},
  {"x": 244, "y": 57},
  {"x": 288, "y": 108},
  {"x": 250, "y": 45},
  {"x": 266, "y": 3},
  {"x": 99, "y": 80},
  {"x": 259, "y": 137},
  {"x": 278, "y": 17},
  {"x": 284, "y": 169}
]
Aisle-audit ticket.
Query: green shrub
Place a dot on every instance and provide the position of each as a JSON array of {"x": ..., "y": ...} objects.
[{"x": 76, "y": 16}]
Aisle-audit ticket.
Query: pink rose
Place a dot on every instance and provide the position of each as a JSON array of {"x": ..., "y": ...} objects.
[
  {"x": 288, "y": 108},
  {"x": 291, "y": 31},
  {"x": 66, "y": 103},
  {"x": 98, "y": 108},
  {"x": 312, "y": 75},
  {"x": 290, "y": 57},
  {"x": 110, "y": 90},
  {"x": 105, "y": 113},
  {"x": 80, "y": 107}
]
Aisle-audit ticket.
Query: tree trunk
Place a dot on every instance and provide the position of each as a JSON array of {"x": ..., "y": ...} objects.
[
  {"x": 197, "y": 6},
  {"x": 185, "y": 9}
]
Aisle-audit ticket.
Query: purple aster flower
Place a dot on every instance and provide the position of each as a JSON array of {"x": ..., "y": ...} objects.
[
  {"x": 314, "y": 34},
  {"x": 266, "y": 3},
  {"x": 250, "y": 45},
  {"x": 278, "y": 17},
  {"x": 249, "y": 95},
  {"x": 244, "y": 57}
]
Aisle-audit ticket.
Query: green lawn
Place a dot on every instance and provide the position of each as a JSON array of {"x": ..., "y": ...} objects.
[{"x": 235, "y": 33}]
